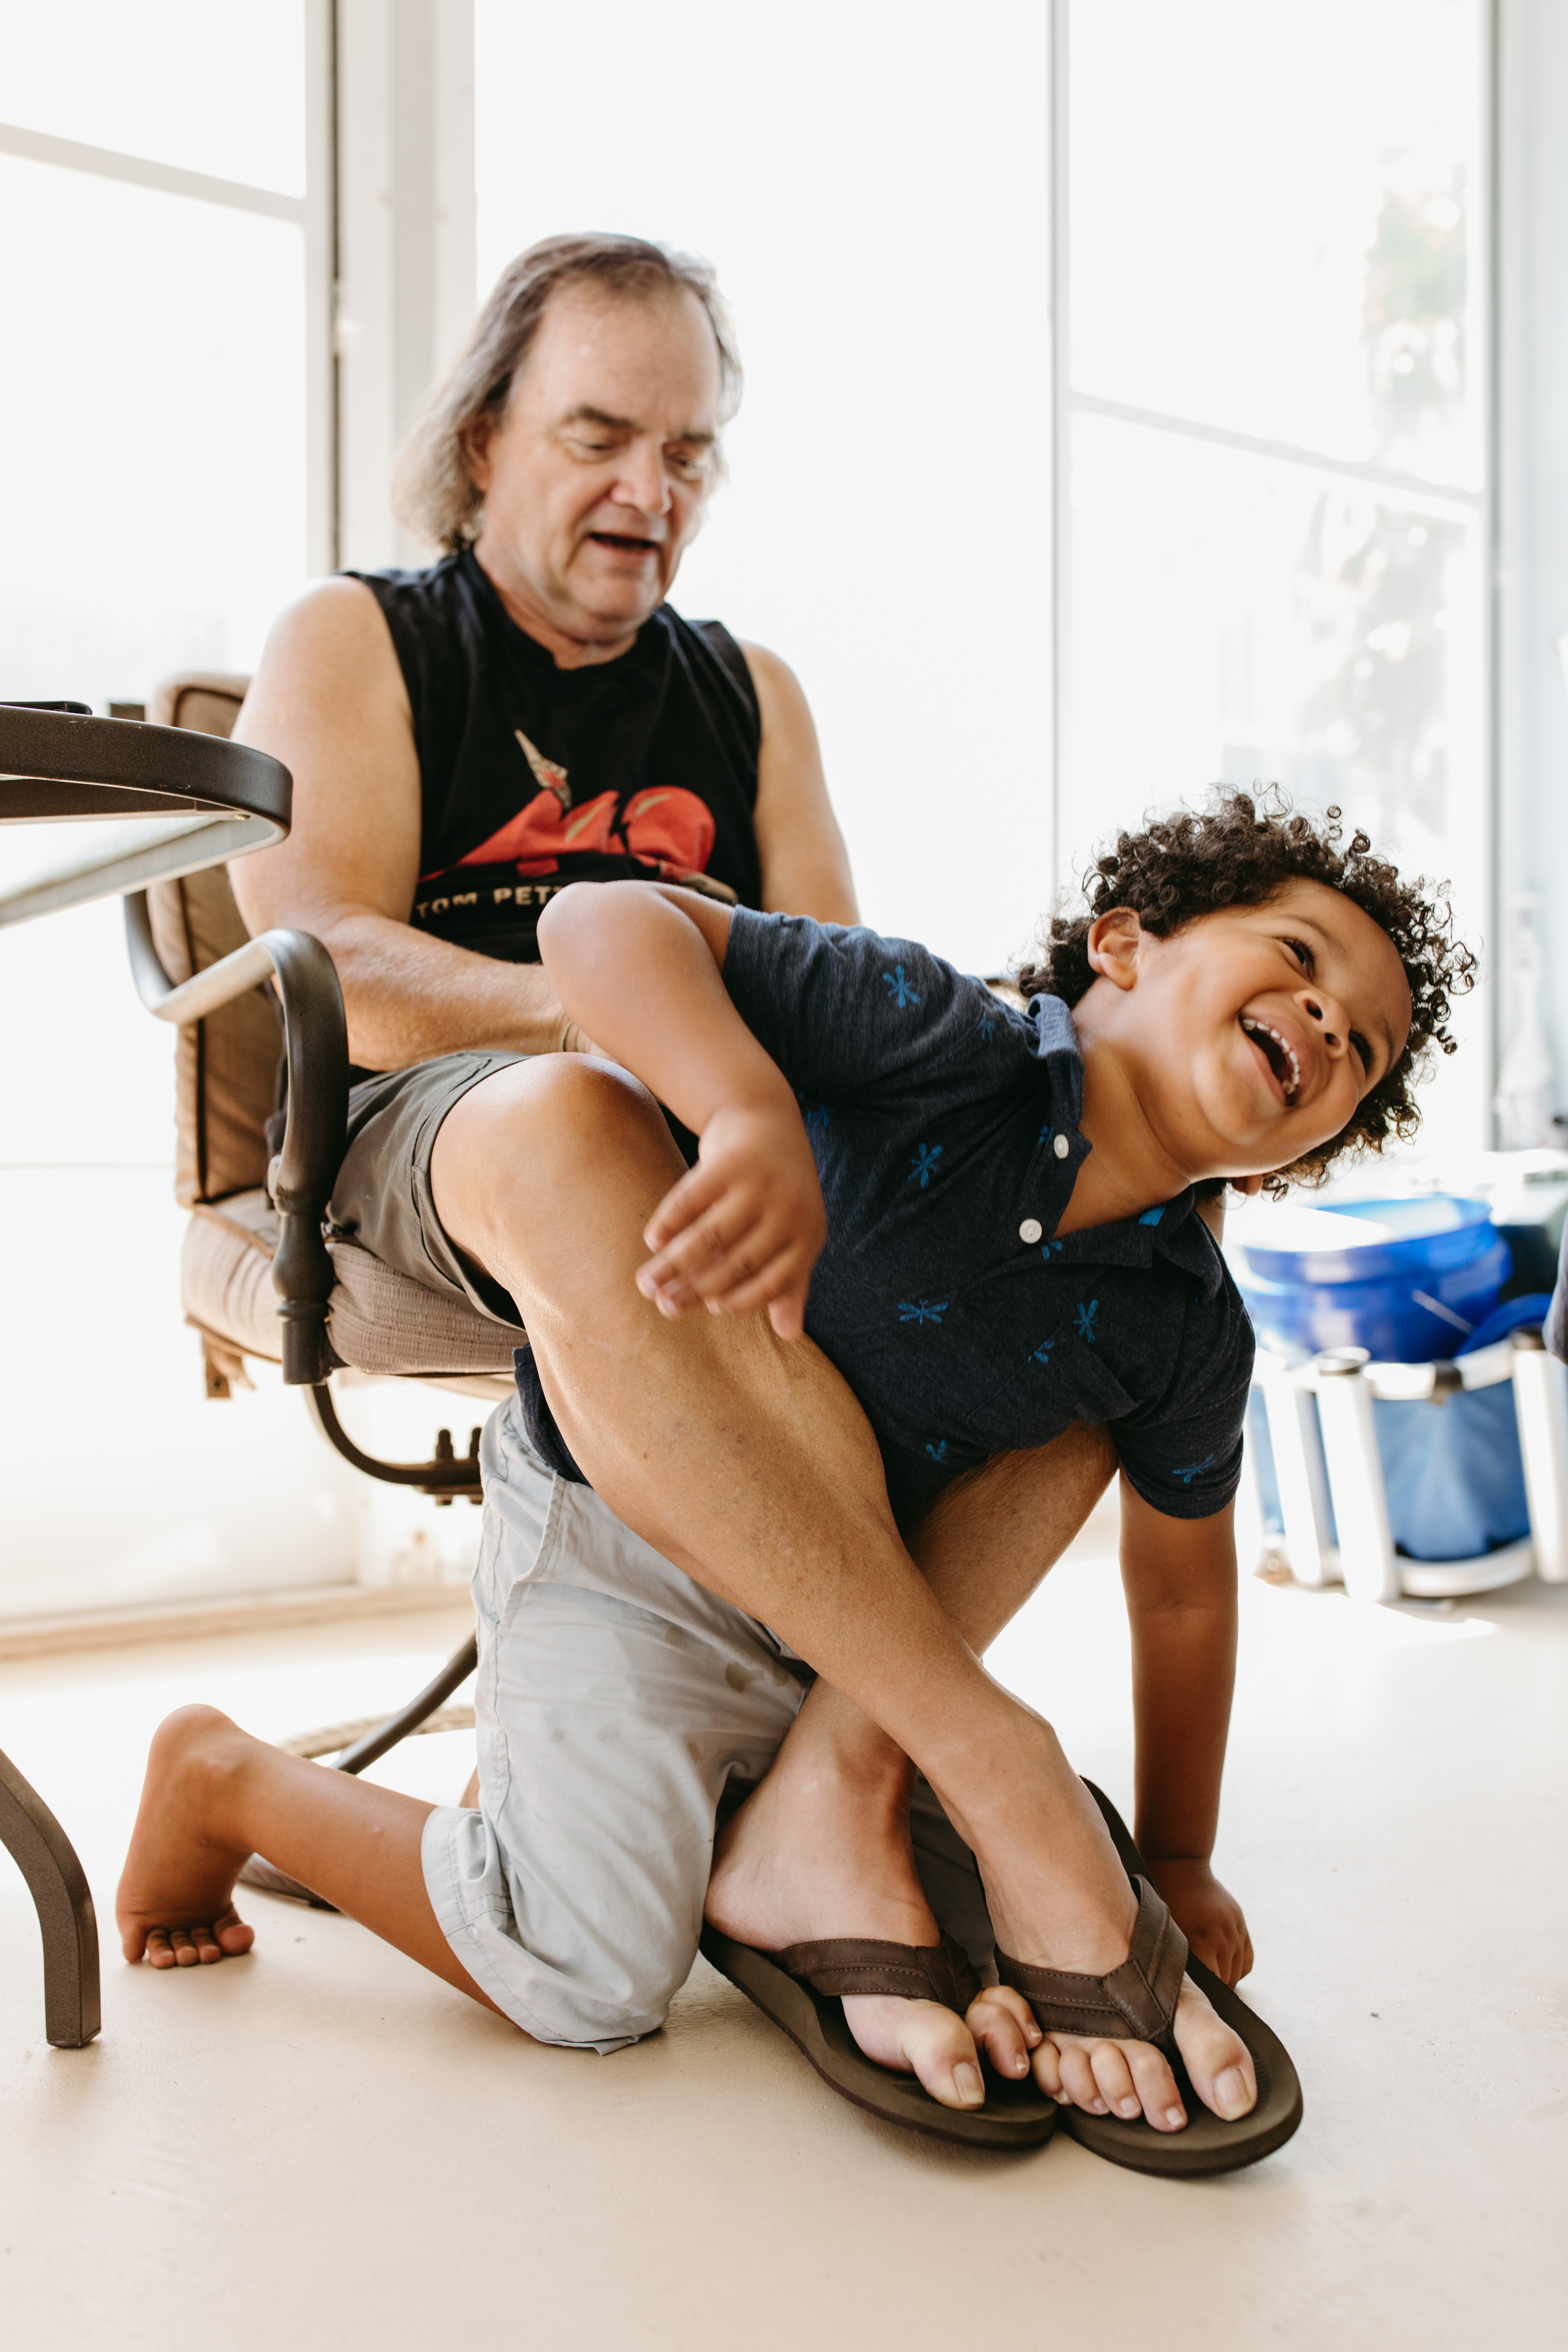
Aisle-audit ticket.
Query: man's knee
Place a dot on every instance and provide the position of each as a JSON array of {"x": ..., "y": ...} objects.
[
  {"x": 518, "y": 1150},
  {"x": 554, "y": 1102}
]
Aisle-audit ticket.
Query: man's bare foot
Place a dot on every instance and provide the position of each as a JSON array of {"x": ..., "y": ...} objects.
[
  {"x": 1059, "y": 1898},
  {"x": 1129, "y": 2078},
  {"x": 822, "y": 1848},
  {"x": 173, "y": 1904},
  {"x": 808, "y": 1856}
]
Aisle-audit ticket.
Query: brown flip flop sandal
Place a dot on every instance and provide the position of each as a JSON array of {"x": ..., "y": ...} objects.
[
  {"x": 1137, "y": 2002},
  {"x": 801, "y": 1989}
]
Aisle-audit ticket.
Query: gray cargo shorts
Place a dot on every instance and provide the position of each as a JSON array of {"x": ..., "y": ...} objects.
[
  {"x": 383, "y": 1196},
  {"x": 619, "y": 1707}
]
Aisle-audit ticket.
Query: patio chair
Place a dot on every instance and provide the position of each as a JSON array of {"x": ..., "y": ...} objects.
[{"x": 258, "y": 1277}]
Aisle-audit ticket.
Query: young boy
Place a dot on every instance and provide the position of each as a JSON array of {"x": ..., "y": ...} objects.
[{"x": 987, "y": 1221}]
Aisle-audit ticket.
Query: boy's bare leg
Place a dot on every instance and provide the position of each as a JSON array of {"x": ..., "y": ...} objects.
[
  {"x": 749, "y": 1464},
  {"x": 213, "y": 1795}
]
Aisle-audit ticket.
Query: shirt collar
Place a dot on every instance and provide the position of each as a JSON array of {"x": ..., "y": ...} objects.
[
  {"x": 1174, "y": 1231},
  {"x": 1056, "y": 1046}
]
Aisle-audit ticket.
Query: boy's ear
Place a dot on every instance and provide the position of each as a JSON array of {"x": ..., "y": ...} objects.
[
  {"x": 1114, "y": 942},
  {"x": 1251, "y": 1185}
]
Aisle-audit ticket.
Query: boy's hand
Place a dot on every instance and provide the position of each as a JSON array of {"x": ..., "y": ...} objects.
[
  {"x": 745, "y": 1229},
  {"x": 1208, "y": 1913}
]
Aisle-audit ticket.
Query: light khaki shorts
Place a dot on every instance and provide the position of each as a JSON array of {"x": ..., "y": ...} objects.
[{"x": 617, "y": 1703}]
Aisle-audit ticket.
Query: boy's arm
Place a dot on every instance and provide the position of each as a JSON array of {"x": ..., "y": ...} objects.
[
  {"x": 1179, "y": 1576},
  {"x": 637, "y": 966}
]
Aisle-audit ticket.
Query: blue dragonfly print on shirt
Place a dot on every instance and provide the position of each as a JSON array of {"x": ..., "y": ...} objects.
[
  {"x": 939, "y": 1450},
  {"x": 1085, "y": 1314},
  {"x": 1043, "y": 1353},
  {"x": 986, "y": 1024},
  {"x": 924, "y": 1310},
  {"x": 901, "y": 989},
  {"x": 922, "y": 1167},
  {"x": 1186, "y": 1477}
]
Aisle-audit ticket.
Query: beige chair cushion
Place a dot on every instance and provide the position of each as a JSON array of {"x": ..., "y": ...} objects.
[
  {"x": 225, "y": 1068},
  {"x": 378, "y": 1320}
]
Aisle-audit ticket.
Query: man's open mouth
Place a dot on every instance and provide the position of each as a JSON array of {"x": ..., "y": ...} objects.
[
  {"x": 623, "y": 544},
  {"x": 1277, "y": 1051}
]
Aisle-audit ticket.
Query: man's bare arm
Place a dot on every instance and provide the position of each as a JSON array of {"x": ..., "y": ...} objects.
[
  {"x": 329, "y": 702},
  {"x": 805, "y": 866},
  {"x": 1179, "y": 1576}
]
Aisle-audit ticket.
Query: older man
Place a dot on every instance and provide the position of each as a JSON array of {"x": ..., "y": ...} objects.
[{"x": 465, "y": 740}]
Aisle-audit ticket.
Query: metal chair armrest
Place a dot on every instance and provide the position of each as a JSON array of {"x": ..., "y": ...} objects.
[{"x": 302, "y": 1176}]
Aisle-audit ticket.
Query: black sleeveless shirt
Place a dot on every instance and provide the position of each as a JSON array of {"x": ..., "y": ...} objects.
[{"x": 531, "y": 777}]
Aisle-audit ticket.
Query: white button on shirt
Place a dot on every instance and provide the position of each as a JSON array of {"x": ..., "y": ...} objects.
[
  {"x": 1061, "y": 1147},
  {"x": 1031, "y": 1230}
]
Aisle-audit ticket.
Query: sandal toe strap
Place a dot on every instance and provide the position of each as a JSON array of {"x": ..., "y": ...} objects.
[
  {"x": 1134, "y": 2003},
  {"x": 859, "y": 1964}
]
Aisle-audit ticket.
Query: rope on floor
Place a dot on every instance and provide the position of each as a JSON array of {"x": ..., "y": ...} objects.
[{"x": 334, "y": 1737}]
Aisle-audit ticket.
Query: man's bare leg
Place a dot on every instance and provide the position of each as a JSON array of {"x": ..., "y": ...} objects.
[
  {"x": 817, "y": 1828},
  {"x": 749, "y": 1464},
  {"x": 213, "y": 1795},
  {"x": 830, "y": 1822}
]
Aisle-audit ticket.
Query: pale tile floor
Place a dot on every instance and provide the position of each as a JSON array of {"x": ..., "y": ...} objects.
[{"x": 321, "y": 2146}]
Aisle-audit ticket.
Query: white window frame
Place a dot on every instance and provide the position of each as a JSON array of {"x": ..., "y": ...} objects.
[
  {"x": 1532, "y": 551},
  {"x": 405, "y": 290}
]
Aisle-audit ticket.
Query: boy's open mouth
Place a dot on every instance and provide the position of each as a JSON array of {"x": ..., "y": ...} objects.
[{"x": 1277, "y": 1051}]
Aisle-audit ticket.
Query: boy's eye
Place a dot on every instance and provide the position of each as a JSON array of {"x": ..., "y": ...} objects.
[
  {"x": 1362, "y": 1048},
  {"x": 1302, "y": 953}
]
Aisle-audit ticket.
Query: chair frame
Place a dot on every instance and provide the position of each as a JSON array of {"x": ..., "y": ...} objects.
[{"x": 300, "y": 1179}]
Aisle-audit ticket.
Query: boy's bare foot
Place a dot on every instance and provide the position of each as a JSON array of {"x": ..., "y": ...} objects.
[{"x": 174, "y": 1905}]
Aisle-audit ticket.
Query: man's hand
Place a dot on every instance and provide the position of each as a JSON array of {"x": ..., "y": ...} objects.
[
  {"x": 1208, "y": 1913},
  {"x": 745, "y": 1229}
]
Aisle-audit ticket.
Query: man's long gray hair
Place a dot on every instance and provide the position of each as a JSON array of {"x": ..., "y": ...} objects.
[{"x": 434, "y": 492}]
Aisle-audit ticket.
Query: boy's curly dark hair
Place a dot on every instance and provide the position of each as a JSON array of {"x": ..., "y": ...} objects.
[{"x": 1237, "y": 854}]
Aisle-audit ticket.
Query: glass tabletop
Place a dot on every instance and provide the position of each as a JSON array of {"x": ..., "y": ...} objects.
[{"x": 91, "y": 808}]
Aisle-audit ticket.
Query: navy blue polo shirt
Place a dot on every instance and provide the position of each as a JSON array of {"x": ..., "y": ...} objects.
[{"x": 945, "y": 1128}]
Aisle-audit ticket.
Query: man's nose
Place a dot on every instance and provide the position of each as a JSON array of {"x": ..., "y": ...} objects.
[
  {"x": 1325, "y": 1015},
  {"x": 642, "y": 481}
]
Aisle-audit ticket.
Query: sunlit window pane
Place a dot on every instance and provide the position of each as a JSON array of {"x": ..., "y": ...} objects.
[
  {"x": 1275, "y": 222},
  {"x": 1242, "y": 620},
  {"x": 152, "y": 492},
  {"x": 209, "y": 87},
  {"x": 872, "y": 185}
]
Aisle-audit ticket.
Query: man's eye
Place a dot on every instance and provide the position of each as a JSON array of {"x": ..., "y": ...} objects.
[{"x": 685, "y": 463}]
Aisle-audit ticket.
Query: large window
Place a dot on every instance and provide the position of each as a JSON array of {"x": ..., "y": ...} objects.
[
  {"x": 1274, "y": 543},
  {"x": 164, "y": 486},
  {"x": 1117, "y": 423},
  {"x": 155, "y": 276},
  {"x": 872, "y": 183}
]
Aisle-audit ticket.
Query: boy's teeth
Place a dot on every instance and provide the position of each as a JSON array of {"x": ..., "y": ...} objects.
[{"x": 1263, "y": 1029}]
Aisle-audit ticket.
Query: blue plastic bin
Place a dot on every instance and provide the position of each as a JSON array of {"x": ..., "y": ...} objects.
[{"x": 1410, "y": 1294}]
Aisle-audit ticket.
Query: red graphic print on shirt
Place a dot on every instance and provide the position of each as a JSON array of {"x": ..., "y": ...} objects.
[{"x": 670, "y": 829}]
